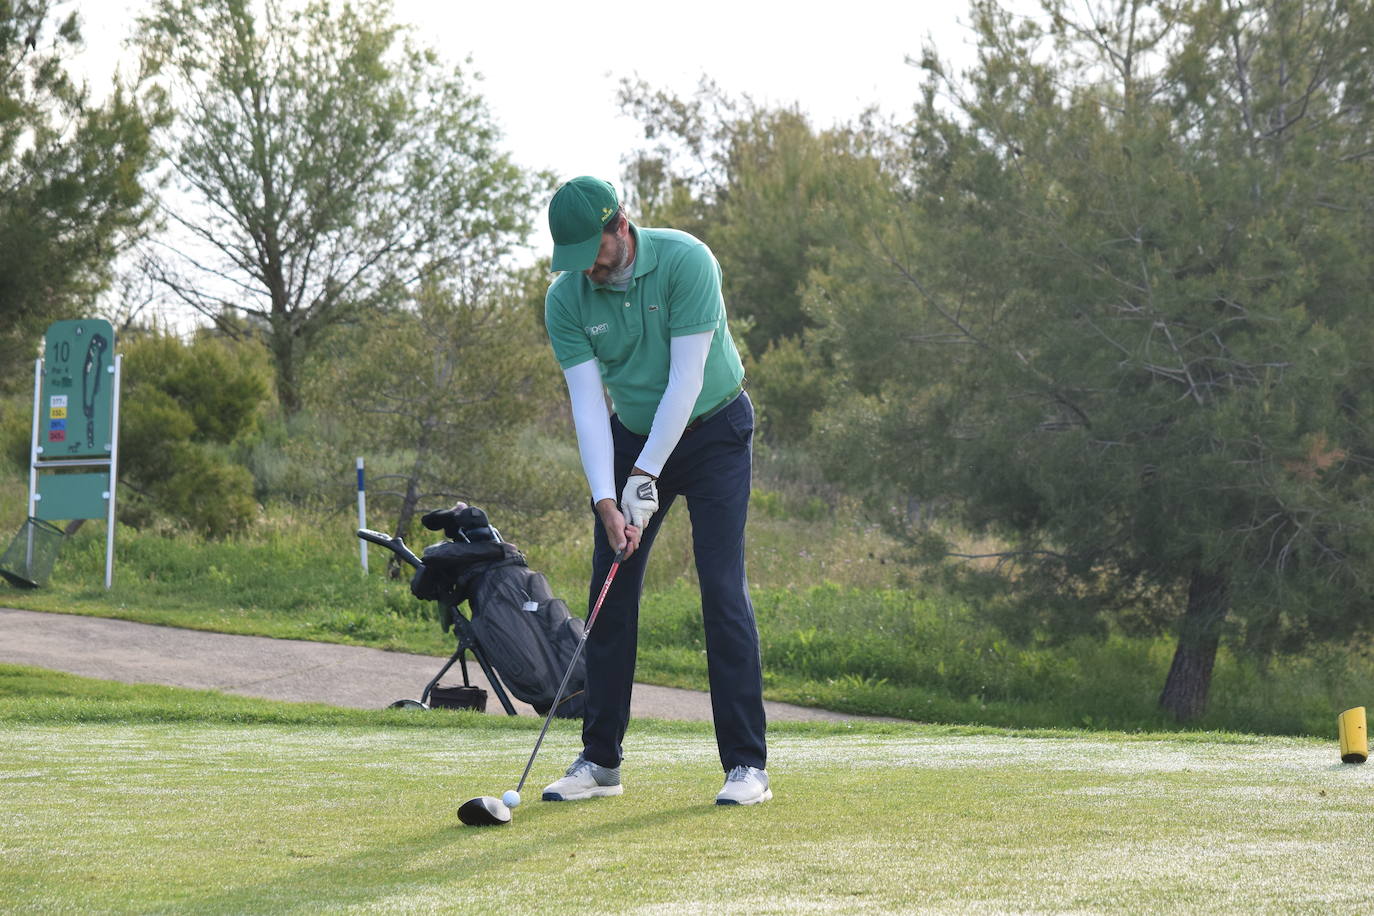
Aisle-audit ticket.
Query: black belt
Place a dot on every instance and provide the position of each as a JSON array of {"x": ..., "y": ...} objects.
[{"x": 729, "y": 399}]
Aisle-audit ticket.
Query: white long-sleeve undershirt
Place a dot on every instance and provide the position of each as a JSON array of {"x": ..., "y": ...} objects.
[
  {"x": 593, "y": 425},
  {"x": 686, "y": 374}
]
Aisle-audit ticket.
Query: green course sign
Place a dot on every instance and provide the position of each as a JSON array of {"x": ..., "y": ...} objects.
[
  {"x": 76, "y": 402},
  {"x": 69, "y": 496}
]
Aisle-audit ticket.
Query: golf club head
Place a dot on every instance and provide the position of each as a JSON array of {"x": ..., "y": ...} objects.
[{"x": 484, "y": 811}]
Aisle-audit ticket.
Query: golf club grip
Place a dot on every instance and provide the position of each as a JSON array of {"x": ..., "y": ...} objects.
[
  {"x": 577, "y": 653},
  {"x": 396, "y": 545}
]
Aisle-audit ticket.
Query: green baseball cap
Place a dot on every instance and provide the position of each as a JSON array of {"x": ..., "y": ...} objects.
[{"x": 577, "y": 214}]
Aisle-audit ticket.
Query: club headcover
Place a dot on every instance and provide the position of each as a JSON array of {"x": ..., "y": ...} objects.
[{"x": 461, "y": 523}]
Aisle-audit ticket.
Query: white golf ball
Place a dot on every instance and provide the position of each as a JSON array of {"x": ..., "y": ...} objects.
[{"x": 511, "y": 798}]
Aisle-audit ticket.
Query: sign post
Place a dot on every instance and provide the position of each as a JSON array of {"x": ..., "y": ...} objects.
[{"x": 76, "y": 425}]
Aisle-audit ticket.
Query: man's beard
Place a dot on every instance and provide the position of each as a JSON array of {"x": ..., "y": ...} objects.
[{"x": 619, "y": 273}]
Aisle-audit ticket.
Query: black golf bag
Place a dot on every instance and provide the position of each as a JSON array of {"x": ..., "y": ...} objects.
[{"x": 525, "y": 632}]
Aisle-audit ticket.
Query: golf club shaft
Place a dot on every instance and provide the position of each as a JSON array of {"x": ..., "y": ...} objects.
[{"x": 577, "y": 653}]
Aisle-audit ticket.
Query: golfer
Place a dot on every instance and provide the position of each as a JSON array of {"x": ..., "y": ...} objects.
[{"x": 639, "y": 311}]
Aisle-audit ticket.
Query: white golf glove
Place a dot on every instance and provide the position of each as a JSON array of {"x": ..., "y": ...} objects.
[{"x": 639, "y": 500}]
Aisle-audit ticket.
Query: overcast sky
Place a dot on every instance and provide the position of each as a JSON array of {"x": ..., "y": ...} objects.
[
  {"x": 550, "y": 74},
  {"x": 550, "y": 70}
]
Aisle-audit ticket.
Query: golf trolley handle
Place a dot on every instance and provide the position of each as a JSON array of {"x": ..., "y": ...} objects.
[{"x": 396, "y": 545}]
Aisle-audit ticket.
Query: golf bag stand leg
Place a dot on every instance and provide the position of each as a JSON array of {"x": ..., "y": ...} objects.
[
  {"x": 457, "y": 656},
  {"x": 450, "y": 613},
  {"x": 467, "y": 641}
]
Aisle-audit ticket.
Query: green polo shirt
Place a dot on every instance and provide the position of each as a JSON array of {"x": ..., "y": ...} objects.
[{"x": 675, "y": 292}]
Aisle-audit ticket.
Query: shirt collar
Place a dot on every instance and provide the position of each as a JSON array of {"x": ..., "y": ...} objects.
[{"x": 646, "y": 258}]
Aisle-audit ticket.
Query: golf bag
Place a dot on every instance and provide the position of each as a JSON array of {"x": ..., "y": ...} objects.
[{"x": 526, "y": 633}]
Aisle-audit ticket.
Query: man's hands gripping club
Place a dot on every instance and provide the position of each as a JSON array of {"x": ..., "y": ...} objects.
[
  {"x": 626, "y": 522},
  {"x": 639, "y": 500}
]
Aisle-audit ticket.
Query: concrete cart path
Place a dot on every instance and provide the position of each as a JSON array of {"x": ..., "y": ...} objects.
[{"x": 284, "y": 669}]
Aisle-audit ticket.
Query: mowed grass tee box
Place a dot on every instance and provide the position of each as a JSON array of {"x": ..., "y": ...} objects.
[{"x": 122, "y": 801}]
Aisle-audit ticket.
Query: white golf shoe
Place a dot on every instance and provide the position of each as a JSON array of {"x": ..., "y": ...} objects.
[
  {"x": 745, "y": 786},
  {"x": 585, "y": 779}
]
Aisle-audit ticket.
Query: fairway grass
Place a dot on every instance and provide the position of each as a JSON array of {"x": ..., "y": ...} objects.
[{"x": 142, "y": 816}]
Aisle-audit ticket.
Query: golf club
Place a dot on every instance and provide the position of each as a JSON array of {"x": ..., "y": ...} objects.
[{"x": 486, "y": 811}]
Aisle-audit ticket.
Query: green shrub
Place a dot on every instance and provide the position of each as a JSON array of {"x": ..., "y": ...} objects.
[
  {"x": 790, "y": 384},
  {"x": 183, "y": 405},
  {"x": 16, "y": 432},
  {"x": 299, "y": 459}
]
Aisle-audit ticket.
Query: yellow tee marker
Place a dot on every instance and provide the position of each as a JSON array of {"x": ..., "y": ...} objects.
[{"x": 1353, "y": 730}]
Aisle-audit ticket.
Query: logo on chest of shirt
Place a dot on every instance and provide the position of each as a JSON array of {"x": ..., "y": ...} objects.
[
  {"x": 601, "y": 328},
  {"x": 653, "y": 308}
]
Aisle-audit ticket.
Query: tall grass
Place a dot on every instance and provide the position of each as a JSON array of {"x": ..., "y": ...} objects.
[
  {"x": 899, "y": 652},
  {"x": 840, "y": 626}
]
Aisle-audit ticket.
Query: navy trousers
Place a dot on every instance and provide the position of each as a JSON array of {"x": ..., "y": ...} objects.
[{"x": 711, "y": 468}]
